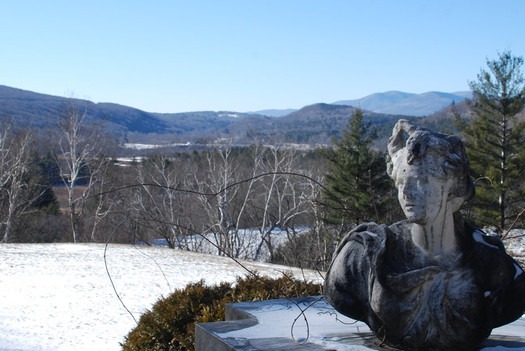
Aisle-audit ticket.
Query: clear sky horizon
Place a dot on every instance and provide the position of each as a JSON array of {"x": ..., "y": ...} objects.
[{"x": 249, "y": 55}]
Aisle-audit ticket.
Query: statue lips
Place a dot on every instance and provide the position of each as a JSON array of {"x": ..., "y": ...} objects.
[{"x": 414, "y": 212}]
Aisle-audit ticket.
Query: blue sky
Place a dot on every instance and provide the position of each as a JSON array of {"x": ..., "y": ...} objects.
[{"x": 247, "y": 55}]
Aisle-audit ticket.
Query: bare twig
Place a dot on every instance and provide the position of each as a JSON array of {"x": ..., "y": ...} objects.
[
  {"x": 203, "y": 235},
  {"x": 214, "y": 194},
  {"x": 208, "y": 240},
  {"x": 109, "y": 275},
  {"x": 512, "y": 226},
  {"x": 157, "y": 264}
]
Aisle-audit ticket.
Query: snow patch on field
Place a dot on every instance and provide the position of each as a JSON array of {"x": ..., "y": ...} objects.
[
  {"x": 515, "y": 245},
  {"x": 56, "y": 297},
  {"x": 59, "y": 297}
]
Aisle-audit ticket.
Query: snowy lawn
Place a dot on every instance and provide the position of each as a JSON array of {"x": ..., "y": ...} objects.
[{"x": 59, "y": 297}]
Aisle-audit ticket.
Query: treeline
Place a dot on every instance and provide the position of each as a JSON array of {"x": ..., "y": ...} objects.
[
  {"x": 257, "y": 202},
  {"x": 239, "y": 202}
]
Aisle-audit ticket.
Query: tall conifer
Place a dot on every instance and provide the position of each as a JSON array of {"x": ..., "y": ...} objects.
[
  {"x": 356, "y": 179},
  {"x": 495, "y": 141}
]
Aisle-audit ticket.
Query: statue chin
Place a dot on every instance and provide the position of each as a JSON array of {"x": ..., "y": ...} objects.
[
  {"x": 448, "y": 297},
  {"x": 415, "y": 217}
]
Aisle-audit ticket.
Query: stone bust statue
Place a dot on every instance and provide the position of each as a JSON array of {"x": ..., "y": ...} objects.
[
  {"x": 431, "y": 173},
  {"x": 432, "y": 281}
]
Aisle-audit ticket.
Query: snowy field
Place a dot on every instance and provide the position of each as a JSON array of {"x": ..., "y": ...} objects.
[
  {"x": 59, "y": 297},
  {"x": 515, "y": 245}
]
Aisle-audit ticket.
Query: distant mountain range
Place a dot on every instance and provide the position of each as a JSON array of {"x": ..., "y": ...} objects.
[
  {"x": 41, "y": 110},
  {"x": 313, "y": 124},
  {"x": 400, "y": 103},
  {"x": 395, "y": 103}
]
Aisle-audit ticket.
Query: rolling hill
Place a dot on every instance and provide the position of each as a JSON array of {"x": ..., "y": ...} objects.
[
  {"x": 313, "y": 124},
  {"x": 400, "y": 103}
]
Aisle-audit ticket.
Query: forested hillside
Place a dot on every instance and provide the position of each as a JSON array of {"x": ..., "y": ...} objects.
[
  {"x": 313, "y": 124},
  {"x": 246, "y": 184}
]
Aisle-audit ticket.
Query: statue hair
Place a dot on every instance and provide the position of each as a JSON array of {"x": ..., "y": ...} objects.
[{"x": 447, "y": 151}]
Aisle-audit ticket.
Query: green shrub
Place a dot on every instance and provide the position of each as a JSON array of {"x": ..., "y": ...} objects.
[{"x": 170, "y": 325}]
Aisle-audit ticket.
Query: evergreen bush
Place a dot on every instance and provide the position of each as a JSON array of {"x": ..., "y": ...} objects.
[{"x": 170, "y": 325}]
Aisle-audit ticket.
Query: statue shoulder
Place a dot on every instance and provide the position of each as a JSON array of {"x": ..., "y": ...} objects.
[
  {"x": 491, "y": 241},
  {"x": 366, "y": 234},
  {"x": 401, "y": 228}
]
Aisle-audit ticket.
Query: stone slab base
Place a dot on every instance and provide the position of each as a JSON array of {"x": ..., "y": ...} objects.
[{"x": 309, "y": 323}]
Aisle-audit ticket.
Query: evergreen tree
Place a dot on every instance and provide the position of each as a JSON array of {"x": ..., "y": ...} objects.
[
  {"x": 495, "y": 140},
  {"x": 357, "y": 181}
]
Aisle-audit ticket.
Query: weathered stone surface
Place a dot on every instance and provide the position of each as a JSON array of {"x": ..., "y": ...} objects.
[
  {"x": 267, "y": 325},
  {"x": 431, "y": 282},
  {"x": 280, "y": 325}
]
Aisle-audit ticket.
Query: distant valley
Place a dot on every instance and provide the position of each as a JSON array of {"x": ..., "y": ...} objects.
[{"x": 314, "y": 124}]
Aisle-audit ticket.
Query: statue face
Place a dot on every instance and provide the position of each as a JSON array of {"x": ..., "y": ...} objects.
[{"x": 420, "y": 194}]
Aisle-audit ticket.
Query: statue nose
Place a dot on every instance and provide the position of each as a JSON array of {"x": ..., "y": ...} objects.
[{"x": 408, "y": 190}]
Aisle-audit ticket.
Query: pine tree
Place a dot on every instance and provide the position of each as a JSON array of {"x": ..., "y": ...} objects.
[
  {"x": 495, "y": 140},
  {"x": 357, "y": 181}
]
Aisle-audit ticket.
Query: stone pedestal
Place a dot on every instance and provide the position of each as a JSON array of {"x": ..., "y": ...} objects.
[{"x": 280, "y": 325}]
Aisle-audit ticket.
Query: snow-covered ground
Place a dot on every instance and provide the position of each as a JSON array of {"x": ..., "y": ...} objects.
[
  {"x": 515, "y": 245},
  {"x": 59, "y": 297},
  {"x": 247, "y": 242}
]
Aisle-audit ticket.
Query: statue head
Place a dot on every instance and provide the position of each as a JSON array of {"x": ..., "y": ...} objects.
[{"x": 430, "y": 169}]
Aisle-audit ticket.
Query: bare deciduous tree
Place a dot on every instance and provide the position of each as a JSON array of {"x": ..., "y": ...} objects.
[
  {"x": 238, "y": 200},
  {"x": 259, "y": 196},
  {"x": 283, "y": 196},
  {"x": 15, "y": 150},
  {"x": 161, "y": 206},
  {"x": 80, "y": 159},
  {"x": 222, "y": 214}
]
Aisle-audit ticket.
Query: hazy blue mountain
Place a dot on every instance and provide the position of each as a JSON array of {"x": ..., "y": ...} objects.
[
  {"x": 313, "y": 124},
  {"x": 465, "y": 94},
  {"x": 409, "y": 104},
  {"x": 275, "y": 112},
  {"x": 202, "y": 122},
  {"x": 41, "y": 110},
  {"x": 319, "y": 123},
  {"x": 376, "y": 101}
]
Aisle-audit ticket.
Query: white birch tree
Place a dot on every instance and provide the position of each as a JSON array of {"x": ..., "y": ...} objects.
[
  {"x": 80, "y": 160},
  {"x": 15, "y": 150}
]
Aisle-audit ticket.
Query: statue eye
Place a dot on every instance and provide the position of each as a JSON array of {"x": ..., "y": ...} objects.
[{"x": 416, "y": 149}]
